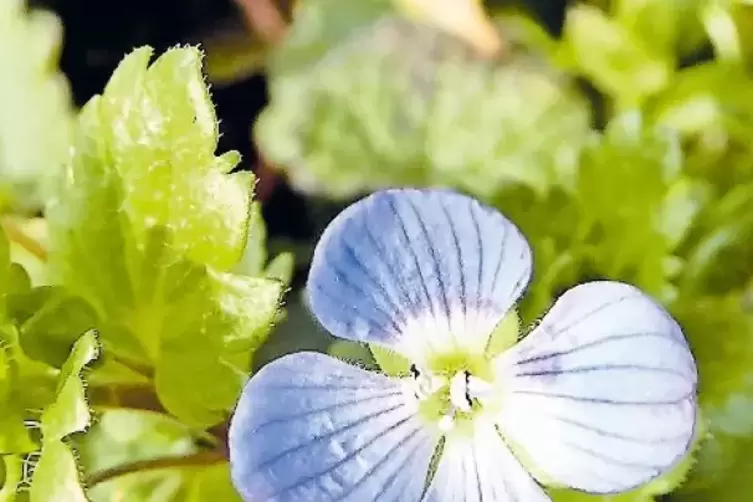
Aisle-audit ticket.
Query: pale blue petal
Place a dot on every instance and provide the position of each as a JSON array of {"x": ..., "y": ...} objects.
[
  {"x": 310, "y": 428},
  {"x": 602, "y": 394},
  {"x": 416, "y": 270},
  {"x": 481, "y": 468}
]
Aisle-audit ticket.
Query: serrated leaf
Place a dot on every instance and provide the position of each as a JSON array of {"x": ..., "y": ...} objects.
[
  {"x": 156, "y": 128},
  {"x": 69, "y": 412},
  {"x": 255, "y": 255},
  {"x": 56, "y": 473},
  {"x": 34, "y": 96},
  {"x": 254, "y": 261},
  {"x": 215, "y": 343},
  {"x": 145, "y": 227},
  {"x": 419, "y": 107}
]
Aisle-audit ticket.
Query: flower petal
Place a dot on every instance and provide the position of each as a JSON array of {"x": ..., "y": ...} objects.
[
  {"x": 418, "y": 269},
  {"x": 311, "y": 428},
  {"x": 602, "y": 394},
  {"x": 481, "y": 468}
]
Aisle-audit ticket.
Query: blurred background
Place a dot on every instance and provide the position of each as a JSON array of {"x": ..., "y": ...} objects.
[{"x": 618, "y": 134}]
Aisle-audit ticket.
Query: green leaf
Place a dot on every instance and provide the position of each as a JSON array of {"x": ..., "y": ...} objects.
[
  {"x": 156, "y": 128},
  {"x": 14, "y": 437},
  {"x": 212, "y": 483},
  {"x": 624, "y": 215},
  {"x": 281, "y": 267},
  {"x": 255, "y": 255},
  {"x": 615, "y": 60},
  {"x": 50, "y": 320},
  {"x": 711, "y": 106},
  {"x": 668, "y": 27},
  {"x": 623, "y": 184},
  {"x": 13, "y": 474},
  {"x": 34, "y": 97},
  {"x": 720, "y": 330},
  {"x": 254, "y": 260},
  {"x": 69, "y": 412},
  {"x": 420, "y": 106},
  {"x": 724, "y": 234},
  {"x": 56, "y": 474},
  {"x": 146, "y": 227}
]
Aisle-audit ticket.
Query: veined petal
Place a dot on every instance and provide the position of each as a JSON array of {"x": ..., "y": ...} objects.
[
  {"x": 417, "y": 270},
  {"x": 481, "y": 468},
  {"x": 602, "y": 394},
  {"x": 310, "y": 428}
]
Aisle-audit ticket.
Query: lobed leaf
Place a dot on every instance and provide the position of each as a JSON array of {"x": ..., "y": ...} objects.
[
  {"x": 146, "y": 227},
  {"x": 363, "y": 97}
]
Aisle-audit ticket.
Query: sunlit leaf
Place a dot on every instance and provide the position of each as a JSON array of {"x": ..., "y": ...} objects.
[{"x": 145, "y": 226}]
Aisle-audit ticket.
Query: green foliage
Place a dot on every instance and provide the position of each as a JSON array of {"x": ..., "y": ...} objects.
[
  {"x": 622, "y": 148},
  {"x": 56, "y": 473},
  {"x": 147, "y": 226},
  {"x": 655, "y": 191},
  {"x": 36, "y": 116},
  {"x": 419, "y": 106},
  {"x": 149, "y": 239},
  {"x": 127, "y": 437}
]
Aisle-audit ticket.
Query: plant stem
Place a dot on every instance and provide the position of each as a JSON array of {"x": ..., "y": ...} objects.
[
  {"x": 142, "y": 397},
  {"x": 201, "y": 459}
]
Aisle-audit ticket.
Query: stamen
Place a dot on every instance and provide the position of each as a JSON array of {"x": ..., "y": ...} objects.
[
  {"x": 414, "y": 371},
  {"x": 459, "y": 397}
]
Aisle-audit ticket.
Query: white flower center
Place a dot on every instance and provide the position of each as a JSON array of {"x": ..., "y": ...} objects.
[{"x": 449, "y": 399}]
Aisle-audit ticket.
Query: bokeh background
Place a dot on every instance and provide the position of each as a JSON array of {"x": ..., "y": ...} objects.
[{"x": 618, "y": 134}]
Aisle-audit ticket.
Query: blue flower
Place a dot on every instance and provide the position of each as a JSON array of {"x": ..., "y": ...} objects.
[{"x": 600, "y": 396}]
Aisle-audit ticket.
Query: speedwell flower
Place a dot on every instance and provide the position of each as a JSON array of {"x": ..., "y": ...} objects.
[{"x": 600, "y": 396}]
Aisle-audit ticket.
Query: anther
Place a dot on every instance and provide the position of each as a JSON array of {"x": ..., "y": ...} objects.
[
  {"x": 459, "y": 397},
  {"x": 414, "y": 371}
]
